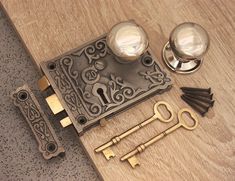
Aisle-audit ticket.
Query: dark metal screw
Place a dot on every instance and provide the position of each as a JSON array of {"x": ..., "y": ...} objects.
[
  {"x": 202, "y": 99},
  {"x": 192, "y": 89},
  {"x": 208, "y": 96},
  {"x": 195, "y": 101},
  {"x": 197, "y": 93},
  {"x": 195, "y": 106},
  {"x": 99, "y": 65}
]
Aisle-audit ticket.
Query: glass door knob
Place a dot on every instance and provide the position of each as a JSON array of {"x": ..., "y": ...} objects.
[
  {"x": 128, "y": 41},
  {"x": 187, "y": 45}
]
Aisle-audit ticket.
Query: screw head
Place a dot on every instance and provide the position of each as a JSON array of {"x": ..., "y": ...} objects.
[{"x": 99, "y": 65}]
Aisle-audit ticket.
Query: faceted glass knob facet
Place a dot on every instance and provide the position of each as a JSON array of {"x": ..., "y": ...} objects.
[
  {"x": 127, "y": 40},
  {"x": 187, "y": 45}
]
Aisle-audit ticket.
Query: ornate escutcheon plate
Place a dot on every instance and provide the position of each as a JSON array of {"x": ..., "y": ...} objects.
[{"x": 91, "y": 83}]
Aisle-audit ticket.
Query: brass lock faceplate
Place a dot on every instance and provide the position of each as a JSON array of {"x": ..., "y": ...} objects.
[{"x": 92, "y": 84}]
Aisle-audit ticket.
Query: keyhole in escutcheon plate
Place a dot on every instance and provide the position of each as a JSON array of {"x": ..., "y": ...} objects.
[{"x": 100, "y": 91}]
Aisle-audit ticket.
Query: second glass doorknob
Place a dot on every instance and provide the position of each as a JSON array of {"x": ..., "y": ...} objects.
[{"x": 187, "y": 45}]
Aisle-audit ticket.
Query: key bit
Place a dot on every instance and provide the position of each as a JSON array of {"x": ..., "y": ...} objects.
[
  {"x": 131, "y": 158},
  {"x": 108, "y": 153},
  {"x": 133, "y": 161},
  {"x": 105, "y": 148}
]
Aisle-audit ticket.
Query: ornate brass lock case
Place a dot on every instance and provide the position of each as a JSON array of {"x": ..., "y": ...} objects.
[{"x": 92, "y": 84}]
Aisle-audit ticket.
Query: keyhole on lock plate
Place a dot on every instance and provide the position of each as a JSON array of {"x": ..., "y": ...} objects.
[{"x": 100, "y": 91}]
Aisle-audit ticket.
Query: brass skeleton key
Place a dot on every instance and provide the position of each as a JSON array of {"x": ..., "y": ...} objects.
[
  {"x": 105, "y": 148},
  {"x": 181, "y": 123}
]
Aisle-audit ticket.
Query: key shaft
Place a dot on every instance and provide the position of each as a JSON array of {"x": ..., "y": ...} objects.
[
  {"x": 118, "y": 138},
  {"x": 140, "y": 148}
]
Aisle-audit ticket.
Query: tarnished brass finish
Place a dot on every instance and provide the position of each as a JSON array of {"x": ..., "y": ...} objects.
[
  {"x": 43, "y": 83},
  {"x": 181, "y": 123},
  {"x": 65, "y": 122},
  {"x": 54, "y": 103},
  {"x": 118, "y": 138},
  {"x": 49, "y": 144}
]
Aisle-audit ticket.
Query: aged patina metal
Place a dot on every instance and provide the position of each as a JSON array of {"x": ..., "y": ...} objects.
[
  {"x": 49, "y": 144},
  {"x": 92, "y": 84}
]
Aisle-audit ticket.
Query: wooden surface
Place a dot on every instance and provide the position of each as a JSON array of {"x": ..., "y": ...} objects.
[{"x": 51, "y": 27}]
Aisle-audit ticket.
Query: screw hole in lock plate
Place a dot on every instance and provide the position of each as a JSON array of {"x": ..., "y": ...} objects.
[
  {"x": 82, "y": 119},
  {"x": 147, "y": 60},
  {"x": 22, "y": 95},
  {"x": 51, "y": 147},
  {"x": 51, "y": 66}
]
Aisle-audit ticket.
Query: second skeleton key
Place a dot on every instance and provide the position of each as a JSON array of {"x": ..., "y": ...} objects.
[
  {"x": 181, "y": 123},
  {"x": 105, "y": 148}
]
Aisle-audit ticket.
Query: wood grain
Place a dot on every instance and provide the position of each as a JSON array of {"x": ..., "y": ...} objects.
[{"x": 51, "y": 27}]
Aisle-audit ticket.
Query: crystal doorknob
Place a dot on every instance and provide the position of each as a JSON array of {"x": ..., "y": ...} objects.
[
  {"x": 187, "y": 45},
  {"x": 127, "y": 40}
]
